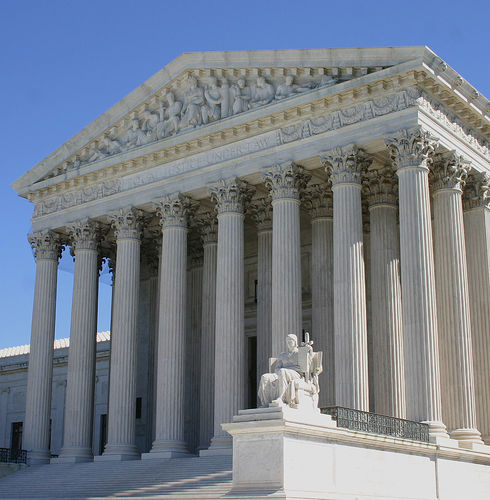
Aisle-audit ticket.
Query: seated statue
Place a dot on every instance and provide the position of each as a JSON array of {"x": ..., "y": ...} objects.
[{"x": 293, "y": 377}]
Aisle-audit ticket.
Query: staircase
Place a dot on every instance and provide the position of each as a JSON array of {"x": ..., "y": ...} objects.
[{"x": 178, "y": 478}]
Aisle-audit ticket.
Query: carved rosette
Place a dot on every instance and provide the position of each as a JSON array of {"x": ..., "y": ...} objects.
[
  {"x": 345, "y": 165},
  {"x": 286, "y": 181},
  {"x": 380, "y": 186},
  {"x": 261, "y": 211},
  {"x": 231, "y": 195},
  {"x": 318, "y": 199},
  {"x": 208, "y": 227},
  {"x": 174, "y": 210},
  {"x": 411, "y": 148},
  {"x": 477, "y": 192},
  {"x": 127, "y": 223},
  {"x": 46, "y": 245},
  {"x": 84, "y": 235},
  {"x": 449, "y": 171}
]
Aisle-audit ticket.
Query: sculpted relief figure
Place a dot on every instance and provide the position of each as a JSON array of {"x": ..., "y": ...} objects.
[
  {"x": 193, "y": 100},
  {"x": 293, "y": 377},
  {"x": 263, "y": 93},
  {"x": 169, "y": 122},
  {"x": 211, "y": 111},
  {"x": 288, "y": 88},
  {"x": 242, "y": 95},
  {"x": 134, "y": 136}
]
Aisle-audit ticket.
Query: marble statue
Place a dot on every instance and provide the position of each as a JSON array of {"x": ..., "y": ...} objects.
[
  {"x": 193, "y": 101},
  {"x": 211, "y": 110},
  {"x": 293, "y": 377},
  {"x": 242, "y": 94},
  {"x": 288, "y": 88},
  {"x": 169, "y": 122},
  {"x": 263, "y": 93},
  {"x": 226, "y": 99},
  {"x": 134, "y": 136}
]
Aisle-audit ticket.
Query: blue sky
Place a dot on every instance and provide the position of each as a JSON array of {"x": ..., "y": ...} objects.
[{"x": 63, "y": 63}]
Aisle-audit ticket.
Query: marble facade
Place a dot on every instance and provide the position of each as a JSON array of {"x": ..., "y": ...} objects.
[{"x": 252, "y": 194}]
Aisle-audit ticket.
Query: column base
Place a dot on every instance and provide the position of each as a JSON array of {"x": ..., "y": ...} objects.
[
  {"x": 73, "y": 455},
  {"x": 220, "y": 445},
  {"x": 166, "y": 449},
  {"x": 38, "y": 457},
  {"x": 467, "y": 436},
  {"x": 118, "y": 453}
]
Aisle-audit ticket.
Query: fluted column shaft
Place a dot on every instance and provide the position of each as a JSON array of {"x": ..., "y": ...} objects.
[
  {"x": 121, "y": 439},
  {"x": 456, "y": 357},
  {"x": 39, "y": 378},
  {"x": 208, "y": 325},
  {"x": 79, "y": 404},
  {"x": 351, "y": 355},
  {"x": 169, "y": 438},
  {"x": 229, "y": 392},
  {"x": 410, "y": 150},
  {"x": 284, "y": 183},
  {"x": 477, "y": 231},
  {"x": 386, "y": 298},
  {"x": 318, "y": 198}
]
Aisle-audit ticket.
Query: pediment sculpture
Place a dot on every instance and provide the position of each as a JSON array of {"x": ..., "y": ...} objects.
[
  {"x": 293, "y": 377},
  {"x": 192, "y": 104}
]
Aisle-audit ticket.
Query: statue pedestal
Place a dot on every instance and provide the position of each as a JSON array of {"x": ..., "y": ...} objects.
[{"x": 287, "y": 453}]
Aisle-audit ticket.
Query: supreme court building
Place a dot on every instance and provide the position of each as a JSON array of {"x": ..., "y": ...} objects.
[{"x": 243, "y": 196}]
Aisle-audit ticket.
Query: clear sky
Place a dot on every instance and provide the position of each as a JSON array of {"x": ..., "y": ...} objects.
[{"x": 64, "y": 62}]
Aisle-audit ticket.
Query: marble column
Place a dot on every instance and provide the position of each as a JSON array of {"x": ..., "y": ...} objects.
[
  {"x": 209, "y": 235},
  {"x": 4, "y": 407},
  {"x": 121, "y": 436},
  {"x": 169, "y": 440},
  {"x": 285, "y": 183},
  {"x": 448, "y": 175},
  {"x": 319, "y": 200},
  {"x": 229, "y": 389},
  {"x": 261, "y": 209},
  {"x": 386, "y": 298},
  {"x": 79, "y": 405},
  {"x": 477, "y": 232},
  {"x": 351, "y": 354},
  {"x": 47, "y": 251},
  {"x": 410, "y": 151}
]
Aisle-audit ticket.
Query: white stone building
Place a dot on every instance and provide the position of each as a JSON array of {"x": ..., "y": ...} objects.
[{"x": 241, "y": 196}]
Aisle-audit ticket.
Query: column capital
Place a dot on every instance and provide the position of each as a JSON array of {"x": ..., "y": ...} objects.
[
  {"x": 261, "y": 210},
  {"x": 207, "y": 224},
  {"x": 174, "y": 210},
  {"x": 150, "y": 252},
  {"x": 286, "y": 180},
  {"x": 231, "y": 195},
  {"x": 380, "y": 186},
  {"x": 345, "y": 165},
  {"x": 318, "y": 199},
  {"x": 84, "y": 235},
  {"x": 449, "y": 171},
  {"x": 127, "y": 223},
  {"x": 477, "y": 192},
  {"x": 411, "y": 147},
  {"x": 46, "y": 244},
  {"x": 196, "y": 253}
]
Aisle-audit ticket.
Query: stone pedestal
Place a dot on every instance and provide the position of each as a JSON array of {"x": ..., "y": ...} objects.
[
  {"x": 36, "y": 435},
  {"x": 121, "y": 438},
  {"x": 351, "y": 373},
  {"x": 79, "y": 401}
]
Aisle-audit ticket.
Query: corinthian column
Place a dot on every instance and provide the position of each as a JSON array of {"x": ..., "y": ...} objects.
[
  {"x": 410, "y": 150},
  {"x": 121, "y": 439},
  {"x": 285, "y": 182},
  {"x": 169, "y": 440},
  {"x": 386, "y": 298},
  {"x": 456, "y": 358},
  {"x": 229, "y": 390},
  {"x": 351, "y": 355},
  {"x": 209, "y": 234},
  {"x": 477, "y": 230},
  {"x": 47, "y": 251},
  {"x": 262, "y": 212},
  {"x": 318, "y": 198},
  {"x": 79, "y": 401}
]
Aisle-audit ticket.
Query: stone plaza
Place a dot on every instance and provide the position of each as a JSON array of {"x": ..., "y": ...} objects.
[{"x": 239, "y": 197}]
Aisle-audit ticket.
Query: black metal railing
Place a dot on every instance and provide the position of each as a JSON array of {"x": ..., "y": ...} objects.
[
  {"x": 7, "y": 455},
  {"x": 363, "y": 421}
]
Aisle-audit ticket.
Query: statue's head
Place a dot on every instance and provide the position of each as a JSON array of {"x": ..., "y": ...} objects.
[
  {"x": 241, "y": 82},
  {"x": 292, "y": 341},
  {"x": 289, "y": 79}
]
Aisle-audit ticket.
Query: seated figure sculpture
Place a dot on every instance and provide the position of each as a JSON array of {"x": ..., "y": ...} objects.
[{"x": 293, "y": 377}]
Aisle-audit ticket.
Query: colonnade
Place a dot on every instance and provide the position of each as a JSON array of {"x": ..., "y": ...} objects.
[{"x": 429, "y": 301}]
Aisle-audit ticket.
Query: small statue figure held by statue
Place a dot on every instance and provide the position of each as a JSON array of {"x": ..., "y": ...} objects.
[{"x": 293, "y": 377}]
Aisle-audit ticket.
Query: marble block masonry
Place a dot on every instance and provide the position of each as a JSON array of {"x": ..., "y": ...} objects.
[{"x": 244, "y": 196}]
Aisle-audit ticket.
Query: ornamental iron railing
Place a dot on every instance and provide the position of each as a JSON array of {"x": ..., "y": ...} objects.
[
  {"x": 8, "y": 455},
  {"x": 363, "y": 421}
]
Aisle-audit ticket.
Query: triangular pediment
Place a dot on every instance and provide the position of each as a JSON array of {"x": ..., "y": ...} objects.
[{"x": 198, "y": 89}]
